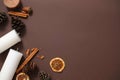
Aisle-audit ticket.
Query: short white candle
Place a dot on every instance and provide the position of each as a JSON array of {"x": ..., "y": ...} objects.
[
  {"x": 10, "y": 65},
  {"x": 8, "y": 40}
]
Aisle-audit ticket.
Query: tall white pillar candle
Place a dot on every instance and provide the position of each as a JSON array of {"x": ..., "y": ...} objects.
[
  {"x": 8, "y": 40},
  {"x": 10, "y": 65}
]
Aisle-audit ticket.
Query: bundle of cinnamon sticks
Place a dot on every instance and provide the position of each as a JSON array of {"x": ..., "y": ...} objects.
[{"x": 31, "y": 55}]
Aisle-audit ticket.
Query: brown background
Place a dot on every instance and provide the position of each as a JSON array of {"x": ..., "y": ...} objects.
[{"x": 85, "y": 33}]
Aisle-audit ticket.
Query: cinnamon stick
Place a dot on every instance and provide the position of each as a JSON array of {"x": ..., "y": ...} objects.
[
  {"x": 32, "y": 49},
  {"x": 20, "y": 14},
  {"x": 27, "y": 59},
  {"x": 40, "y": 57},
  {"x": 27, "y": 52}
]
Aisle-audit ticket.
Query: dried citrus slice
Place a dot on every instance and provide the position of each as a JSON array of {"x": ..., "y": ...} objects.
[
  {"x": 57, "y": 64},
  {"x": 22, "y": 76},
  {"x": 11, "y": 3}
]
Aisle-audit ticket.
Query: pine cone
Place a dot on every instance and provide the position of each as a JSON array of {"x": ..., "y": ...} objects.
[
  {"x": 44, "y": 76},
  {"x": 17, "y": 24},
  {"x": 3, "y": 17}
]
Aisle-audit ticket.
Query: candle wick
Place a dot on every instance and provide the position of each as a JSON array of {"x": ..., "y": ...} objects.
[{"x": 17, "y": 49}]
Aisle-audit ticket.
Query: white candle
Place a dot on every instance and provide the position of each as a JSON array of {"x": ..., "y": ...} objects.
[
  {"x": 10, "y": 65},
  {"x": 9, "y": 40}
]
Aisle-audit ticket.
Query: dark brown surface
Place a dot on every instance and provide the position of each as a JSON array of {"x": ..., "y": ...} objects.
[{"x": 85, "y": 33}]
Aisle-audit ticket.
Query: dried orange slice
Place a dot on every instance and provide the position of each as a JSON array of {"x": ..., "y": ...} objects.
[
  {"x": 22, "y": 76},
  {"x": 11, "y": 3},
  {"x": 57, "y": 64}
]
